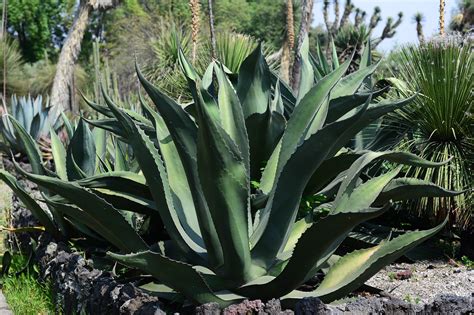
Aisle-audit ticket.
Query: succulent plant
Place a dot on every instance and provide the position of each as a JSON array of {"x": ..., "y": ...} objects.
[
  {"x": 227, "y": 241},
  {"x": 31, "y": 115}
]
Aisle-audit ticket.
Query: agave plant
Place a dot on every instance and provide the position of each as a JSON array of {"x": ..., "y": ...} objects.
[
  {"x": 31, "y": 115},
  {"x": 87, "y": 156},
  {"x": 227, "y": 241}
]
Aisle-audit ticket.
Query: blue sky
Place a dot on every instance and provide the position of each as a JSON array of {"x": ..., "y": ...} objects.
[{"x": 406, "y": 32}]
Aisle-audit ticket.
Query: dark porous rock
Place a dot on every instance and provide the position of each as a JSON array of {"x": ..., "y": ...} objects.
[
  {"x": 450, "y": 304},
  {"x": 309, "y": 306},
  {"x": 80, "y": 288},
  {"x": 208, "y": 309},
  {"x": 246, "y": 307},
  {"x": 257, "y": 307},
  {"x": 379, "y": 305}
]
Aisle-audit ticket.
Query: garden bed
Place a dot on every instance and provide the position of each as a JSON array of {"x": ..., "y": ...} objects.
[{"x": 79, "y": 287}]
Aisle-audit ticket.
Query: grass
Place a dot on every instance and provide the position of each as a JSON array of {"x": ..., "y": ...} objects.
[{"x": 24, "y": 294}]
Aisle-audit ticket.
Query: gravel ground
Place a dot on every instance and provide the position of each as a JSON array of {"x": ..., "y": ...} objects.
[{"x": 420, "y": 282}]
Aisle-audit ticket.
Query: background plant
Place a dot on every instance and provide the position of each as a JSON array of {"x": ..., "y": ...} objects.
[{"x": 438, "y": 125}]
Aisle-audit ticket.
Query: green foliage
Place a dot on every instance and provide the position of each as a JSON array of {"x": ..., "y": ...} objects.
[
  {"x": 467, "y": 262},
  {"x": 38, "y": 77},
  {"x": 38, "y": 25},
  {"x": 13, "y": 63},
  {"x": 438, "y": 124},
  {"x": 32, "y": 115},
  {"x": 197, "y": 171},
  {"x": 24, "y": 294}
]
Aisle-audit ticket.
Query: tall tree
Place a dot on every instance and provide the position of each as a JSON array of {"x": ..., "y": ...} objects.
[
  {"x": 62, "y": 89},
  {"x": 38, "y": 25}
]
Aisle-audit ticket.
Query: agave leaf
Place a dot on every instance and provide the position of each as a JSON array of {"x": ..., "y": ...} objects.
[
  {"x": 322, "y": 61},
  {"x": 307, "y": 72},
  {"x": 127, "y": 201},
  {"x": 36, "y": 126},
  {"x": 353, "y": 269},
  {"x": 100, "y": 140},
  {"x": 150, "y": 162},
  {"x": 366, "y": 58},
  {"x": 289, "y": 100},
  {"x": 63, "y": 209},
  {"x": 335, "y": 58},
  {"x": 374, "y": 112},
  {"x": 412, "y": 188},
  {"x": 177, "y": 275},
  {"x": 351, "y": 83},
  {"x": 226, "y": 185},
  {"x": 340, "y": 106},
  {"x": 356, "y": 168},
  {"x": 277, "y": 103},
  {"x": 329, "y": 169},
  {"x": 43, "y": 216},
  {"x": 280, "y": 212},
  {"x": 95, "y": 212},
  {"x": 120, "y": 163},
  {"x": 68, "y": 125},
  {"x": 254, "y": 81},
  {"x": 232, "y": 116},
  {"x": 31, "y": 149},
  {"x": 306, "y": 119},
  {"x": 183, "y": 131},
  {"x": 82, "y": 152},
  {"x": 179, "y": 185},
  {"x": 264, "y": 131},
  {"x": 108, "y": 124},
  {"x": 59, "y": 155},
  {"x": 118, "y": 181},
  {"x": 313, "y": 248},
  {"x": 361, "y": 197}
]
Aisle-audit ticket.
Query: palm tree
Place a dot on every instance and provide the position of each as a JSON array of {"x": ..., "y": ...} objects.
[
  {"x": 61, "y": 91},
  {"x": 419, "y": 18}
]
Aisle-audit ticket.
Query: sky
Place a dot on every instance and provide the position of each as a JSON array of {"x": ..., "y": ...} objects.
[{"x": 406, "y": 32}]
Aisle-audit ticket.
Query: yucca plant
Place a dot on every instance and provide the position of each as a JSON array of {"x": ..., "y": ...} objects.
[
  {"x": 226, "y": 240},
  {"x": 438, "y": 124},
  {"x": 32, "y": 115}
]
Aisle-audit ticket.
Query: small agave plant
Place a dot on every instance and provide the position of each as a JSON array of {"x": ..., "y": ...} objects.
[
  {"x": 31, "y": 115},
  {"x": 225, "y": 240}
]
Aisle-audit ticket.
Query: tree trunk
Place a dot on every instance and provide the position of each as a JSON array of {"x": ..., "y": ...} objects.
[
  {"x": 288, "y": 45},
  {"x": 62, "y": 85},
  {"x": 307, "y": 12}
]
